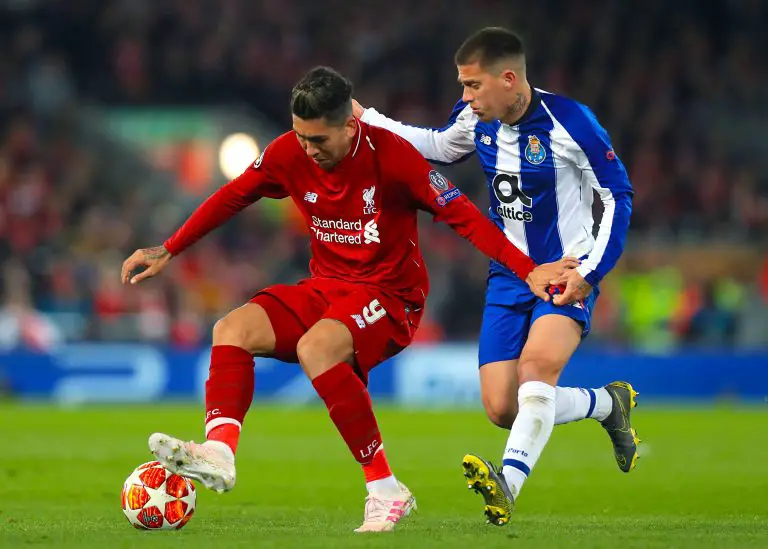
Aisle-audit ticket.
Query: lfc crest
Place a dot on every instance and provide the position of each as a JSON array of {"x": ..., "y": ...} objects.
[{"x": 368, "y": 199}]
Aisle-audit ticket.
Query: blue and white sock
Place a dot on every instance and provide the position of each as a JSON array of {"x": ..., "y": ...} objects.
[
  {"x": 575, "y": 403},
  {"x": 530, "y": 432}
]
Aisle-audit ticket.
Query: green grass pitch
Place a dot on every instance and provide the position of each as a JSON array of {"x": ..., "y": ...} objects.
[{"x": 702, "y": 481}]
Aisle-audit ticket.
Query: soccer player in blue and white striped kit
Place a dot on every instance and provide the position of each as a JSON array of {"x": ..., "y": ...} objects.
[{"x": 543, "y": 156}]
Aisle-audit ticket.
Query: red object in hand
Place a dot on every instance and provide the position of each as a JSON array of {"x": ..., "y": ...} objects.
[{"x": 554, "y": 290}]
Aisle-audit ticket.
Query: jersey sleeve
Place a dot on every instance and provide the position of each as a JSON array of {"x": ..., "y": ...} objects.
[
  {"x": 450, "y": 144},
  {"x": 260, "y": 180},
  {"x": 592, "y": 153},
  {"x": 432, "y": 192},
  {"x": 606, "y": 173}
]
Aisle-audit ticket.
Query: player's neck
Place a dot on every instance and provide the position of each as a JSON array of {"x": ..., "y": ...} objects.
[{"x": 516, "y": 110}]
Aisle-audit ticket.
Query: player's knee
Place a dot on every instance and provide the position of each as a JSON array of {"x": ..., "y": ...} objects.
[
  {"x": 501, "y": 412},
  {"x": 235, "y": 329},
  {"x": 227, "y": 332},
  {"x": 319, "y": 350},
  {"x": 313, "y": 348},
  {"x": 539, "y": 369},
  {"x": 305, "y": 349}
]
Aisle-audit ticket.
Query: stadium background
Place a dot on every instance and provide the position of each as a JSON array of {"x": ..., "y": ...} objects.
[{"x": 117, "y": 117}]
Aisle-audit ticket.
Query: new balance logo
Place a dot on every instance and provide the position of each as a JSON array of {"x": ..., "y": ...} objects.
[
  {"x": 359, "y": 320},
  {"x": 371, "y": 232},
  {"x": 310, "y": 197},
  {"x": 485, "y": 139}
]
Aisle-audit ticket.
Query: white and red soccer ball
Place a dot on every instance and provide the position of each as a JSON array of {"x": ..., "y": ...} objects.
[{"x": 153, "y": 498}]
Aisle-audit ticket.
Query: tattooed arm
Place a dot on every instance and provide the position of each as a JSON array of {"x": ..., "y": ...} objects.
[
  {"x": 153, "y": 260},
  {"x": 158, "y": 252}
]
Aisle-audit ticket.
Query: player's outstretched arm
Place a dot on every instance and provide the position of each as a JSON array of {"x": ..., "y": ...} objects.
[
  {"x": 217, "y": 209},
  {"x": 255, "y": 182},
  {"x": 435, "y": 194},
  {"x": 448, "y": 145},
  {"x": 152, "y": 260},
  {"x": 470, "y": 223},
  {"x": 262, "y": 179}
]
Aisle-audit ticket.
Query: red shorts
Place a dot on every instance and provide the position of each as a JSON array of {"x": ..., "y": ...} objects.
[{"x": 381, "y": 325}]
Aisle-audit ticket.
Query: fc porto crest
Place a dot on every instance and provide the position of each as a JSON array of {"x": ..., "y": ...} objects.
[{"x": 535, "y": 153}]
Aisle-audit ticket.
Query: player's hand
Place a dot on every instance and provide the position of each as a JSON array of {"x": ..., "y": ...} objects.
[
  {"x": 539, "y": 279},
  {"x": 357, "y": 109},
  {"x": 153, "y": 260},
  {"x": 576, "y": 288}
]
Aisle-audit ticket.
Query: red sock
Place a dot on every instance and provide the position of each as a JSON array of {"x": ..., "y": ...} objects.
[
  {"x": 228, "y": 433},
  {"x": 351, "y": 410},
  {"x": 228, "y": 393},
  {"x": 378, "y": 468}
]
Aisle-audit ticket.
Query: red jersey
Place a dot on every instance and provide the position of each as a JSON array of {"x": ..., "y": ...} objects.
[{"x": 362, "y": 214}]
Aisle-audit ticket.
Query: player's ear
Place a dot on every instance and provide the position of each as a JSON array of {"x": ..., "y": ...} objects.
[
  {"x": 350, "y": 126},
  {"x": 509, "y": 78}
]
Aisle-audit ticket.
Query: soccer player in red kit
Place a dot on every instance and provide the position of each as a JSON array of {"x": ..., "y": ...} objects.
[{"x": 359, "y": 189}]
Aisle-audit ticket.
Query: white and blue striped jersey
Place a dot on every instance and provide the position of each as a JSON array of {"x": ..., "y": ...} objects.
[{"x": 541, "y": 173}]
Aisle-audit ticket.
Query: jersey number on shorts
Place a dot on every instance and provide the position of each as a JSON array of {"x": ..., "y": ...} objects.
[{"x": 371, "y": 313}]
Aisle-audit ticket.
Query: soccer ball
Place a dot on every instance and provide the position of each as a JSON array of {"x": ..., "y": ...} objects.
[{"x": 153, "y": 498}]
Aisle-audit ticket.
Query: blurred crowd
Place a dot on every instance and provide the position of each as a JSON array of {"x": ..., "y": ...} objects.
[{"x": 681, "y": 88}]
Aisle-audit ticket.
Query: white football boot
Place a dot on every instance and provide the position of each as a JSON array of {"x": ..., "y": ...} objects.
[
  {"x": 212, "y": 462},
  {"x": 382, "y": 515}
]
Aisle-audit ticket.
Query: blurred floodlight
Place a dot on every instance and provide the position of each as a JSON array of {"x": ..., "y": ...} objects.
[{"x": 236, "y": 152}]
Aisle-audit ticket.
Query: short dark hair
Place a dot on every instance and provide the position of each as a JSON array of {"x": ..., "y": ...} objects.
[
  {"x": 322, "y": 93},
  {"x": 488, "y": 46}
]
